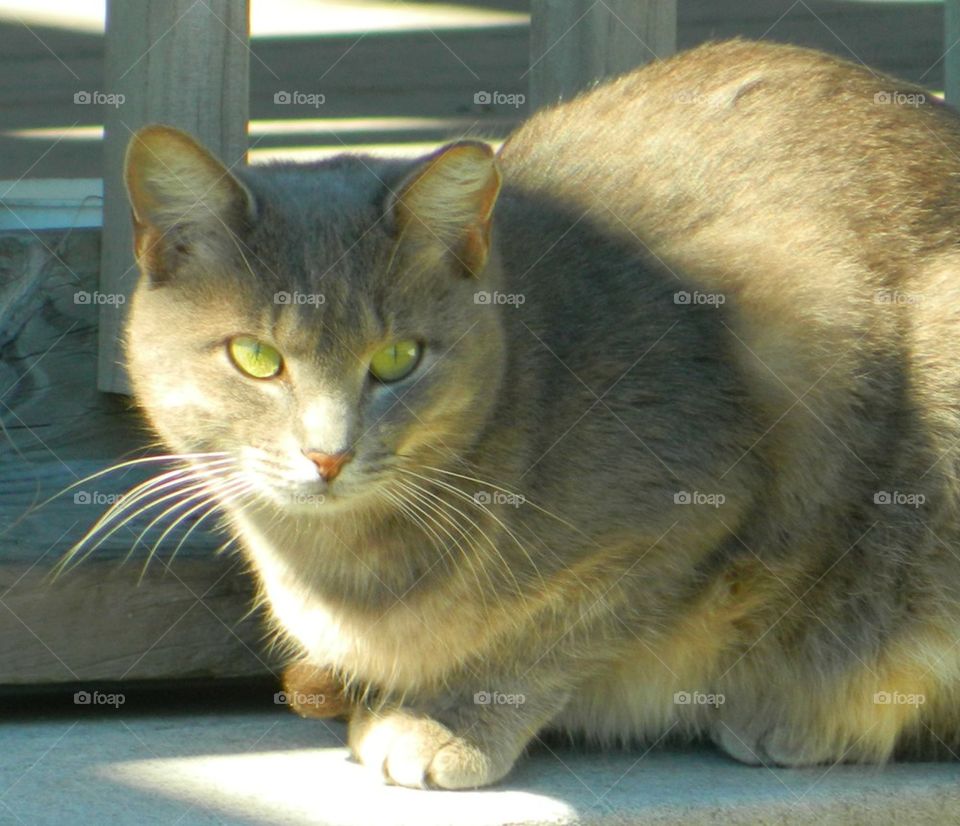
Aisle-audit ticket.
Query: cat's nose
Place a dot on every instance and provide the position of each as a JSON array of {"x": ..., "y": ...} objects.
[{"x": 329, "y": 464}]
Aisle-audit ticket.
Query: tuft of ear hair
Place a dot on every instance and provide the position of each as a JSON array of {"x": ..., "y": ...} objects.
[
  {"x": 174, "y": 182},
  {"x": 446, "y": 204}
]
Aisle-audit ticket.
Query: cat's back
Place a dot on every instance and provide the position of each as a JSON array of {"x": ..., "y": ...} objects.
[
  {"x": 800, "y": 195},
  {"x": 756, "y": 132}
]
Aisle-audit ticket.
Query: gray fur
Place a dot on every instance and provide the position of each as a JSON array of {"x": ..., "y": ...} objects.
[{"x": 768, "y": 175}]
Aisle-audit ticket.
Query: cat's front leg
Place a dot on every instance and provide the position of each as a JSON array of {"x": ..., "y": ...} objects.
[{"x": 452, "y": 743}]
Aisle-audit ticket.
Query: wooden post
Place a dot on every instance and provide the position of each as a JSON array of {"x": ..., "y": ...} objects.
[
  {"x": 574, "y": 43},
  {"x": 951, "y": 60},
  {"x": 177, "y": 62}
]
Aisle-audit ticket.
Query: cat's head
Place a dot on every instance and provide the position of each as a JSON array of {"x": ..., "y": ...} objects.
[{"x": 317, "y": 325}]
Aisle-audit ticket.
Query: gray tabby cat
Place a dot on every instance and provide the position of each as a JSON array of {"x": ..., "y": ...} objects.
[{"x": 644, "y": 426}]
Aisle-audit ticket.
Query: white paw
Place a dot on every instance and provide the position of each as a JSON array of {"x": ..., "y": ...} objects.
[
  {"x": 419, "y": 752},
  {"x": 772, "y": 747}
]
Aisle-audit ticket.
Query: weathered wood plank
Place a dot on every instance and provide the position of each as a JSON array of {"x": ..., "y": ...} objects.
[
  {"x": 417, "y": 73},
  {"x": 413, "y": 74},
  {"x": 575, "y": 43},
  {"x": 902, "y": 38},
  {"x": 179, "y": 62},
  {"x": 51, "y": 409},
  {"x": 102, "y": 621},
  {"x": 951, "y": 49},
  {"x": 354, "y": 132},
  {"x": 96, "y": 620}
]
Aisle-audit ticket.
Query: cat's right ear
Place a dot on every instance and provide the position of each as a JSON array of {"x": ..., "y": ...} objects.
[{"x": 179, "y": 194}]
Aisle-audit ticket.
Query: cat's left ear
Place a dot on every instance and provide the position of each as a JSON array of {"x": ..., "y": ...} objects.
[{"x": 445, "y": 206}]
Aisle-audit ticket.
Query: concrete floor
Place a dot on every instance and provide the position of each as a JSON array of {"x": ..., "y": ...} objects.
[{"x": 270, "y": 767}]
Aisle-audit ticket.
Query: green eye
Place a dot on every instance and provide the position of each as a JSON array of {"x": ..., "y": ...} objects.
[
  {"x": 255, "y": 358},
  {"x": 395, "y": 361}
]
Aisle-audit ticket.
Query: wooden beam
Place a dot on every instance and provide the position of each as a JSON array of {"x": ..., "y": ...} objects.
[
  {"x": 951, "y": 47},
  {"x": 107, "y": 621},
  {"x": 167, "y": 61},
  {"x": 574, "y": 43},
  {"x": 100, "y": 619}
]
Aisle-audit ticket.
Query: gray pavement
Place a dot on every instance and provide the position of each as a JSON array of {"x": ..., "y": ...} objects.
[{"x": 274, "y": 768}]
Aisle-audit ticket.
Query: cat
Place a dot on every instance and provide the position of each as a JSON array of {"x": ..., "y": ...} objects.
[{"x": 642, "y": 427}]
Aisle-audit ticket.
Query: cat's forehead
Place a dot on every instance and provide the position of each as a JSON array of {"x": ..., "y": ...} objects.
[
  {"x": 328, "y": 190},
  {"x": 325, "y": 219}
]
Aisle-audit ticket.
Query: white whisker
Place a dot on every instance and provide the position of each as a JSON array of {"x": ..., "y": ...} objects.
[
  {"x": 214, "y": 507},
  {"x": 525, "y": 499},
  {"x": 166, "y": 457},
  {"x": 490, "y": 543},
  {"x": 206, "y": 498},
  {"x": 465, "y": 553},
  {"x": 129, "y": 506}
]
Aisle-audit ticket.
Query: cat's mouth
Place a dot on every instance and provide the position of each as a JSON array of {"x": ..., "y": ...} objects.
[{"x": 296, "y": 486}]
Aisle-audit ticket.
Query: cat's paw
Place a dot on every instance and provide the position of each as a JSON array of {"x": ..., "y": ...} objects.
[
  {"x": 767, "y": 746},
  {"x": 417, "y": 751}
]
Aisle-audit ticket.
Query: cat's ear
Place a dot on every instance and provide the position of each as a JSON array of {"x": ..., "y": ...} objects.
[
  {"x": 175, "y": 184},
  {"x": 445, "y": 206}
]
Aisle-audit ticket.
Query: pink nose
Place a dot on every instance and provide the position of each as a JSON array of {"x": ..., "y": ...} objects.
[{"x": 329, "y": 464}]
